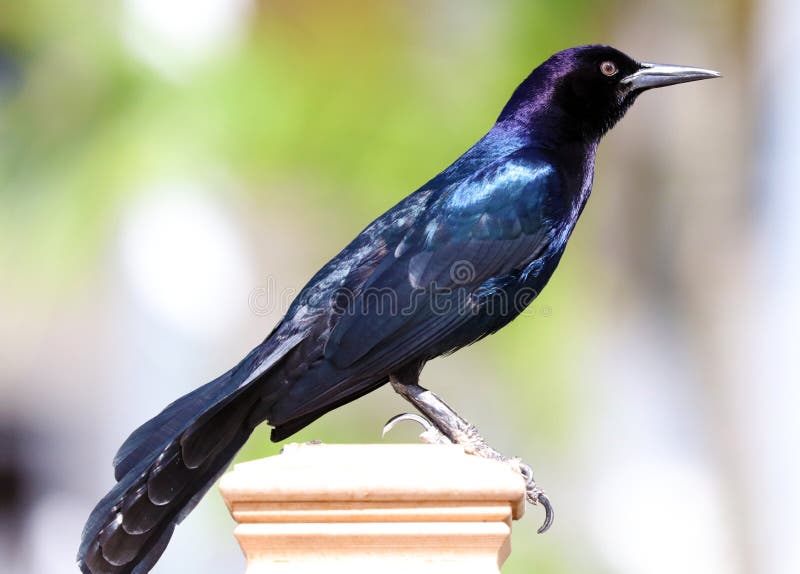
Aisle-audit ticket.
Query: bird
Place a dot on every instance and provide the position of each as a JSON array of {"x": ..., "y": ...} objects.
[{"x": 451, "y": 263}]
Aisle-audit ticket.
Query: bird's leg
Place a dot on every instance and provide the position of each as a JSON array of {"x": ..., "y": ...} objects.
[
  {"x": 445, "y": 425},
  {"x": 445, "y": 420}
]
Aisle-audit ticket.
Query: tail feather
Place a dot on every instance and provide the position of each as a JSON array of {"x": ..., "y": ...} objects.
[
  {"x": 157, "y": 433},
  {"x": 164, "y": 469},
  {"x": 166, "y": 465},
  {"x": 152, "y": 437}
]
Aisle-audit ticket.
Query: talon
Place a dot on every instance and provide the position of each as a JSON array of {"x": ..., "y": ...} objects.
[
  {"x": 424, "y": 423},
  {"x": 535, "y": 495},
  {"x": 527, "y": 473},
  {"x": 430, "y": 433},
  {"x": 549, "y": 515}
]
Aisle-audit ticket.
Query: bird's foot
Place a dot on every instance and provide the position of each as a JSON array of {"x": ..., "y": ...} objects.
[
  {"x": 533, "y": 493},
  {"x": 473, "y": 443}
]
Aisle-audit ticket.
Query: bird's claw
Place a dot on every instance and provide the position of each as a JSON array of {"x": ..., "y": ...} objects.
[
  {"x": 536, "y": 495},
  {"x": 433, "y": 435},
  {"x": 430, "y": 433}
]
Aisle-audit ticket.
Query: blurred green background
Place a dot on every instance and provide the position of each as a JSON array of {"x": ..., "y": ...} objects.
[{"x": 172, "y": 172}]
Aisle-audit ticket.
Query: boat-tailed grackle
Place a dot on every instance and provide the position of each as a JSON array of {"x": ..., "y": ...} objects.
[{"x": 454, "y": 261}]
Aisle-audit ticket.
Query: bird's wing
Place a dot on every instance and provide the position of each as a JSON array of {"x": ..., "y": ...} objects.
[{"x": 489, "y": 225}]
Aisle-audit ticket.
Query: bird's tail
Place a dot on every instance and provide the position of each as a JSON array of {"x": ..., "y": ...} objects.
[{"x": 163, "y": 470}]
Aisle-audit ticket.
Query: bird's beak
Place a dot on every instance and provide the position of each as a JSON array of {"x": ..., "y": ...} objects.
[{"x": 657, "y": 75}]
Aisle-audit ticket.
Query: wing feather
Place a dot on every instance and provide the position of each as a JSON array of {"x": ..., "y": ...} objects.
[{"x": 490, "y": 225}]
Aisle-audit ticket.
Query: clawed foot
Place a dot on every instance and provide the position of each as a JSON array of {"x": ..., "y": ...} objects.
[{"x": 433, "y": 435}]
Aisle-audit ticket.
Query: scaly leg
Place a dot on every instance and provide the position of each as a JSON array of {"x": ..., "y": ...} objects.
[{"x": 442, "y": 424}]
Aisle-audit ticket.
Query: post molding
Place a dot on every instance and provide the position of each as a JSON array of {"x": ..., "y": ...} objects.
[{"x": 419, "y": 508}]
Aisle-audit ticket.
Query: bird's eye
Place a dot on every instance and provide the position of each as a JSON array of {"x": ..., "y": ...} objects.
[{"x": 608, "y": 68}]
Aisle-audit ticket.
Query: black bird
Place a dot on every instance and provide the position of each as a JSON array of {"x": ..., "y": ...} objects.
[{"x": 451, "y": 263}]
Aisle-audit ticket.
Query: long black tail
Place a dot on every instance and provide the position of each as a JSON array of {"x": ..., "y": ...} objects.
[{"x": 163, "y": 470}]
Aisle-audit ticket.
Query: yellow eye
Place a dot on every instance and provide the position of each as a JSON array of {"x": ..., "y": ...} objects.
[{"x": 608, "y": 68}]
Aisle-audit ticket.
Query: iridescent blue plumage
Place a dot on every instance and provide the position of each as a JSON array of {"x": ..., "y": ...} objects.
[{"x": 451, "y": 263}]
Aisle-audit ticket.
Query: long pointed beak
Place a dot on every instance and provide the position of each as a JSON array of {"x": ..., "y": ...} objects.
[{"x": 657, "y": 75}]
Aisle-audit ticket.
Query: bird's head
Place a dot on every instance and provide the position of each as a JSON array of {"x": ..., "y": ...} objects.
[{"x": 589, "y": 88}]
